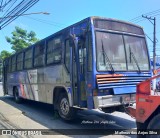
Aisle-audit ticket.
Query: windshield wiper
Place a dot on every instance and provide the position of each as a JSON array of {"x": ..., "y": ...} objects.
[
  {"x": 132, "y": 54},
  {"x": 106, "y": 57}
]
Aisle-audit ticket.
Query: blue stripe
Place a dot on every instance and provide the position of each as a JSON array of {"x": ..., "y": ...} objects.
[{"x": 122, "y": 86}]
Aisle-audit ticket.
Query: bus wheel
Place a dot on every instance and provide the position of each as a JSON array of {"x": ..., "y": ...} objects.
[
  {"x": 141, "y": 126},
  {"x": 154, "y": 124},
  {"x": 16, "y": 96},
  {"x": 64, "y": 110}
]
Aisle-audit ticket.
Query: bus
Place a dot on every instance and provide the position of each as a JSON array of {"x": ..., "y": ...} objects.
[{"x": 93, "y": 64}]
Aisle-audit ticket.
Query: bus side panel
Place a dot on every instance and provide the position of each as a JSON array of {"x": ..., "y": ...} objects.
[
  {"x": 11, "y": 81},
  {"x": 38, "y": 84},
  {"x": 56, "y": 76}
]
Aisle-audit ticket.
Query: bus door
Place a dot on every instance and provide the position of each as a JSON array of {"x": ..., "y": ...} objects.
[
  {"x": 77, "y": 72},
  {"x": 79, "y": 55},
  {"x": 81, "y": 64},
  {"x": 70, "y": 64}
]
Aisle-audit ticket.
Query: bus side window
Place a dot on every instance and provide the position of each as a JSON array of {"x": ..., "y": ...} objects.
[
  {"x": 82, "y": 57},
  {"x": 28, "y": 59},
  {"x": 39, "y": 55},
  {"x": 67, "y": 55},
  {"x": 20, "y": 61},
  {"x": 54, "y": 50},
  {"x": 13, "y": 63}
]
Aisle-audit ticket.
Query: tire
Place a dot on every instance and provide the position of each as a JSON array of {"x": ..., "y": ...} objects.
[
  {"x": 16, "y": 96},
  {"x": 64, "y": 110},
  {"x": 141, "y": 126},
  {"x": 154, "y": 124}
]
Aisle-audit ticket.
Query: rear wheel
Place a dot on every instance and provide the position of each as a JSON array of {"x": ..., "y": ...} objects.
[
  {"x": 64, "y": 110},
  {"x": 16, "y": 96},
  {"x": 154, "y": 124}
]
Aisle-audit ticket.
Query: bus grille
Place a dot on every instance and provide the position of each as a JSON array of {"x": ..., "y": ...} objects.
[{"x": 119, "y": 80}]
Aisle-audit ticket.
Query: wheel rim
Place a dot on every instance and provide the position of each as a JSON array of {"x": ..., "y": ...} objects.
[{"x": 64, "y": 106}]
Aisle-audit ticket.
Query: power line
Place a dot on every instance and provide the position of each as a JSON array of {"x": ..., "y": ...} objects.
[
  {"x": 139, "y": 18},
  {"x": 4, "y": 4},
  {"x": 148, "y": 13},
  {"x": 11, "y": 6},
  {"x": 15, "y": 10},
  {"x": 47, "y": 22},
  {"x": 139, "y": 21}
]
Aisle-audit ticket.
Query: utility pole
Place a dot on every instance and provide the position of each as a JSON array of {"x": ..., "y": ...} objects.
[
  {"x": 154, "y": 40},
  {"x": 154, "y": 47}
]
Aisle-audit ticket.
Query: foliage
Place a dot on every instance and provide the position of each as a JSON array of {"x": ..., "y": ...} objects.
[
  {"x": 21, "y": 39},
  {"x": 4, "y": 54}
]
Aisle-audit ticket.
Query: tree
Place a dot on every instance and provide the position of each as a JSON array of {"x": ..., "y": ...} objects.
[
  {"x": 21, "y": 39},
  {"x": 4, "y": 54}
]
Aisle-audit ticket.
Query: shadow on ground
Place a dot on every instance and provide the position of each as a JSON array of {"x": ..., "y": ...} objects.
[{"x": 87, "y": 122}]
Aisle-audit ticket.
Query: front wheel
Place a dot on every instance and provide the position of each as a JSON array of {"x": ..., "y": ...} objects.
[{"x": 64, "y": 110}]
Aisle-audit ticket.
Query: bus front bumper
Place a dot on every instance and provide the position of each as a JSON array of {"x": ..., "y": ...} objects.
[{"x": 113, "y": 100}]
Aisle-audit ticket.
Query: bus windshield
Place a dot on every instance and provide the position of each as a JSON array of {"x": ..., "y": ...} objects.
[{"x": 121, "y": 52}]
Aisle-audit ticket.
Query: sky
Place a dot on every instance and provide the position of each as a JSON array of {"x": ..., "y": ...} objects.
[{"x": 64, "y": 13}]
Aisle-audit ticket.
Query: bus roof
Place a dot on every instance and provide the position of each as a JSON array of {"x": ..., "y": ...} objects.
[
  {"x": 112, "y": 19},
  {"x": 91, "y": 18}
]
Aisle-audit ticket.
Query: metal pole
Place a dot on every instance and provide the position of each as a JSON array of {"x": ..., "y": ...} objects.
[
  {"x": 154, "y": 45},
  {"x": 46, "y": 13},
  {"x": 154, "y": 40}
]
